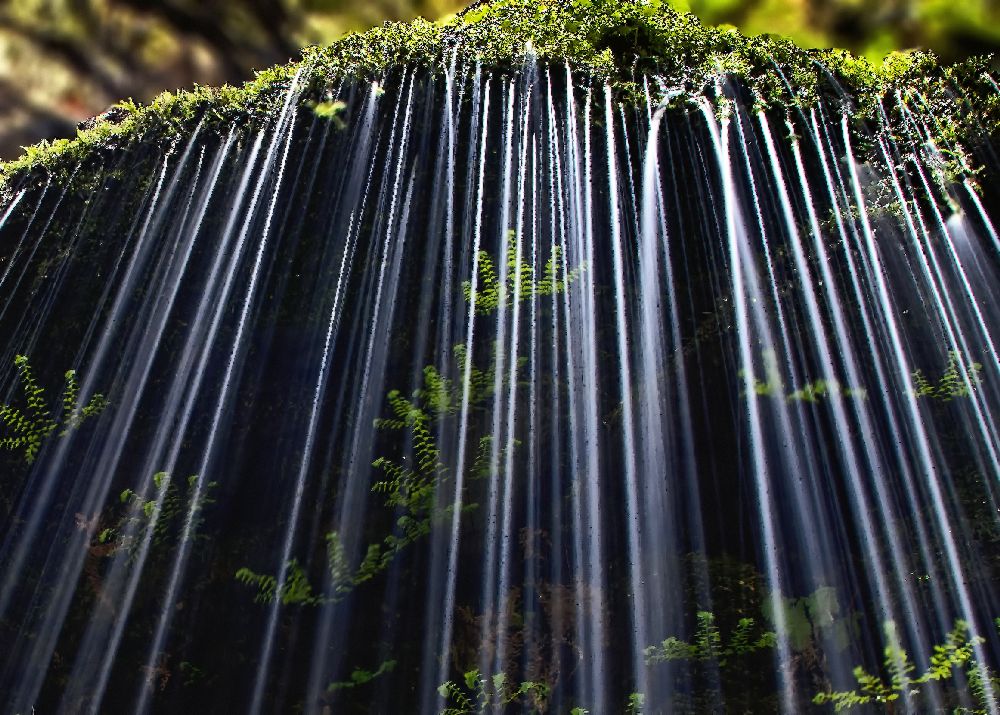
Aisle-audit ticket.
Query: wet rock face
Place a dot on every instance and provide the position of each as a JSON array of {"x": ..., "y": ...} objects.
[{"x": 428, "y": 383}]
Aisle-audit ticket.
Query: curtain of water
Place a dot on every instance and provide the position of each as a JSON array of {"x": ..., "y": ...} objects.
[{"x": 490, "y": 391}]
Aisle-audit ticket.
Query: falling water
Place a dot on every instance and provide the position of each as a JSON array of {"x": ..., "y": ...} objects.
[{"x": 499, "y": 389}]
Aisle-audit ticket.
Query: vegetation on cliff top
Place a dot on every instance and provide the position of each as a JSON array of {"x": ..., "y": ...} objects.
[{"x": 612, "y": 41}]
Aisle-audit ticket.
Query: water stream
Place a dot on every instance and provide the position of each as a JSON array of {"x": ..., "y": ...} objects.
[{"x": 498, "y": 393}]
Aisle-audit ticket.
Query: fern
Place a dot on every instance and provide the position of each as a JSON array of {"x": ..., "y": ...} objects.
[
  {"x": 521, "y": 283},
  {"x": 408, "y": 490},
  {"x": 296, "y": 589},
  {"x": 897, "y": 661},
  {"x": 812, "y": 392},
  {"x": 954, "y": 654},
  {"x": 31, "y": 428},
  {"x": 337, "y": 564},
  {"x": 450, "y": 691},
  {"x": 983, "y": 684},
  {"x": 165, "y": 512},
  {"x": 708, "y": 644},
  {"x": 958, "y": 379},
  {"x": 774, "y": 384},
  {"x": 440, "y": 397},
  {"x": 359, "y": 676},
  {"x": 481, "y": 694},
  {"x": 634, "y": 703},
  {"x": 265, "y": 585}
]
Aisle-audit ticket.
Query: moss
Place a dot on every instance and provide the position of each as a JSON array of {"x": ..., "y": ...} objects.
[{"x": 612, "y": 41}]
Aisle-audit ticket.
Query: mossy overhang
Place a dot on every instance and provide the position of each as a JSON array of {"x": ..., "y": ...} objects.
[{"x": 606, "y": 41}]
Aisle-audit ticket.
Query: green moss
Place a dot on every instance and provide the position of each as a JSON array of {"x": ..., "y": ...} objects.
[{"x": 610, "y": 41}]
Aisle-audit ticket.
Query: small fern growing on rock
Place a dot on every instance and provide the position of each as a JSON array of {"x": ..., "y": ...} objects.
[
  {"x": 708, "y": 644},
  {"x": 360, "y": 676},
  {"x": 521, "y": 283},
  {"x": 958, "y": 379},
  {"x": 31, "y": 427},
  {"x": 478, "y": 694},
  {"x": 409, "y": 488},
  {"x": 954, "y": 654},
  {"x": 166, "y": 511}
]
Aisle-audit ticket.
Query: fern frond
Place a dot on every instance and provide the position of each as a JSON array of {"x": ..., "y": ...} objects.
[
  {"x": 389, "y": 423},
  {"x": 95, "y": 406},
  {"x": 297, "y": 590},
  {"x": 897, "y": 661},
  {"x": 953, "y": 654},
  {"x": 71, "y": 394},
  {"x": 451, "y": 691},
  {"x": 35, "y": 426},
  {"x": 707, "y": 641},
  {"x": 958, "y": 379},
  {"x": 481, "y": 462},
  {"x": 265, "y": 585},
  {"x": 337, "y": 564}
]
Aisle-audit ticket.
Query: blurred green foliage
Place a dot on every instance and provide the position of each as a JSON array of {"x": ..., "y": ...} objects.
[{"x": 953, "y": 30}]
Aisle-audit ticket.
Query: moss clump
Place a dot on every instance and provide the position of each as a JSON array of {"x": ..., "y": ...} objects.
[{"x": 612, "y": 41}]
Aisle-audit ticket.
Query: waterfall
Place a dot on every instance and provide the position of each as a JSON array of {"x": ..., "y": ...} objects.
[{"x": 478, "y": 388}]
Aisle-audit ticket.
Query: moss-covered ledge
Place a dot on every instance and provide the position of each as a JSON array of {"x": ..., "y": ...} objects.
[{"x": 612, "y": 41}]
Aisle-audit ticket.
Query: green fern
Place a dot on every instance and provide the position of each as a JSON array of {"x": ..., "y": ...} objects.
[
  {"x": 708, "y": 644},
  {"x": 954, "y": 654},
  {"x": 478, "y": 694},
  {"x": 264, "y": 584},
  {"x": 408, "y": 490},
  {"x": 821, "y": 389},
  {"x": 440, "y": 397},
  {"x": 296, "y": 589},
  {"x": 958, "y": 379},
  {"x": 812, "y": 392},
  {"x": 166, "y": 510},
  {"x": 983, "y": 684},
  {"x": 521, "y": 283},
  {"x": 32, "y": 427},
  {"x": 360, "y": 676},
  {"x": 634, "y": 703}
]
